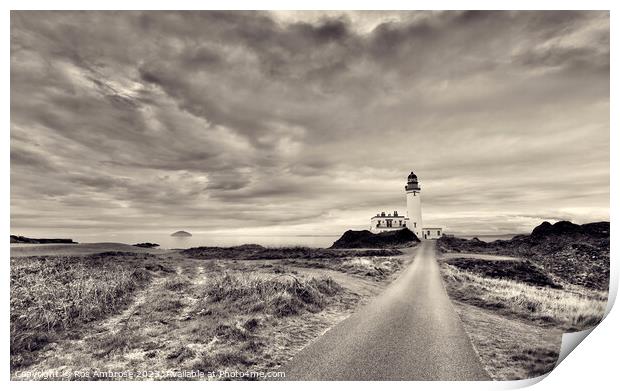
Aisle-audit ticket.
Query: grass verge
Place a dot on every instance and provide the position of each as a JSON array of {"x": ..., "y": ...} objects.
[
  {"x": 515, "y": 316},
  {"x": 570, "y": 311},
  {"x": 510, "y": 349}
]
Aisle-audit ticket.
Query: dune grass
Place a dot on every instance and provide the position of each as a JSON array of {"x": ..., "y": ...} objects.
[
  {"x": 51, "y": 295},
  {"x": 256, "y": 252},
  {"x": 568, "y": 310},
  {"x": 376, "y": 267},
  {"x": 281, "y": 295}
]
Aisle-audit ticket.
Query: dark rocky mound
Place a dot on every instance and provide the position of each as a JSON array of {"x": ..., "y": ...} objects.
[
  {"x": 23, "y": 239},
  {"x": 521, "y": 271},
  {"x": 566, "y": 228},
  {"x": 366, "y": 239},
  {"x": 146, "y": 245},
  {"x": 577, "y": 254},
  {"x": 181, "y": 234}
]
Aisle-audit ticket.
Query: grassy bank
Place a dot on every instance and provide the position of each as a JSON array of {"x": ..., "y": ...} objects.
[
  {"x": 515, "y": 316},
  {"x": 51, "y": 296},
  {"x": 571, "y": 311},
  {"x": 509, "y": 348},
  {"x": 282, "y": 295},
  {"x": 378, "y": 268}
]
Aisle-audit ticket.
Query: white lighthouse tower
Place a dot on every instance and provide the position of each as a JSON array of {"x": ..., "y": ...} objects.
[
  {"x": 414, "y": 206},
  {"x": 383, "y": 222}
]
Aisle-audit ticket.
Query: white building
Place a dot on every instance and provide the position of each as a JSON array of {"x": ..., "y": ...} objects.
[
  {"x": 382, "y": 222},
  {"x": 392, "y": 222},
  {"x": 431, "y": 233}
]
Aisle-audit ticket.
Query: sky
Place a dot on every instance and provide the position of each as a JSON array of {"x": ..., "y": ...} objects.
[{"x": 306, "y": 122}]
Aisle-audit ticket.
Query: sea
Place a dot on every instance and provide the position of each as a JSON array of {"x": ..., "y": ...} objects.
[{"x": 166, "y": 241}]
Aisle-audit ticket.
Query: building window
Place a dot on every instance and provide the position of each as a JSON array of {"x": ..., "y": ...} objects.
[
  {"x": 415, "y": 224},
  {"x": 438, "y": 233}
]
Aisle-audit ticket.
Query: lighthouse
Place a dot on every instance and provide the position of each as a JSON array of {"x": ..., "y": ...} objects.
[
  {"x": 414, "y": 205},
  {"x": 383, "y": 222}
]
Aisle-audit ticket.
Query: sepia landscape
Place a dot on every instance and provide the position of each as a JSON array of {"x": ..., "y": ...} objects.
[{"x": 202, "y": 195}]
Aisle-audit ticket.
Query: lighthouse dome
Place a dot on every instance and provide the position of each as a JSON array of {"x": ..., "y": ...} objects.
[{"x": 412, "y": 177}]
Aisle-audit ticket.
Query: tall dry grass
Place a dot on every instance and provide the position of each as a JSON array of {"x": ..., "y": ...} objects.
[
  {"x": 376, "y": 267},
  {"x": 569, "y": 310},
  {"x": 53, "y": 294},
  {"x": 281, "y": 295}
]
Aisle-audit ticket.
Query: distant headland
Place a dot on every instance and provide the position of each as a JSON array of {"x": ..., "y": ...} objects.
[{"x": 23, "y": 239}]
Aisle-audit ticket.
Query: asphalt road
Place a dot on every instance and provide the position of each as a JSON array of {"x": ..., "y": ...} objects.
[{"x": 409, "y": 332}]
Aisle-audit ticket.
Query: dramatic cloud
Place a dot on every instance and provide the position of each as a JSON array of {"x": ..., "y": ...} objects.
[{"x": 306, "y": 122}]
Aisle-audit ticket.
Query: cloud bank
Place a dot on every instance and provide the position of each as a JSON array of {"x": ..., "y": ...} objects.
[{"x": 306, "y": 122}]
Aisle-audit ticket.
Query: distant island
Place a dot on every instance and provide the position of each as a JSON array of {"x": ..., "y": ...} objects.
[
  {"x": 181, "y": 234},
  {"x": 23, "y": 239}
]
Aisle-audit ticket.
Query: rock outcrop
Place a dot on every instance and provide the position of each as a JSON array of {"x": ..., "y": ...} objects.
[{"x": 366, "y": 239}]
